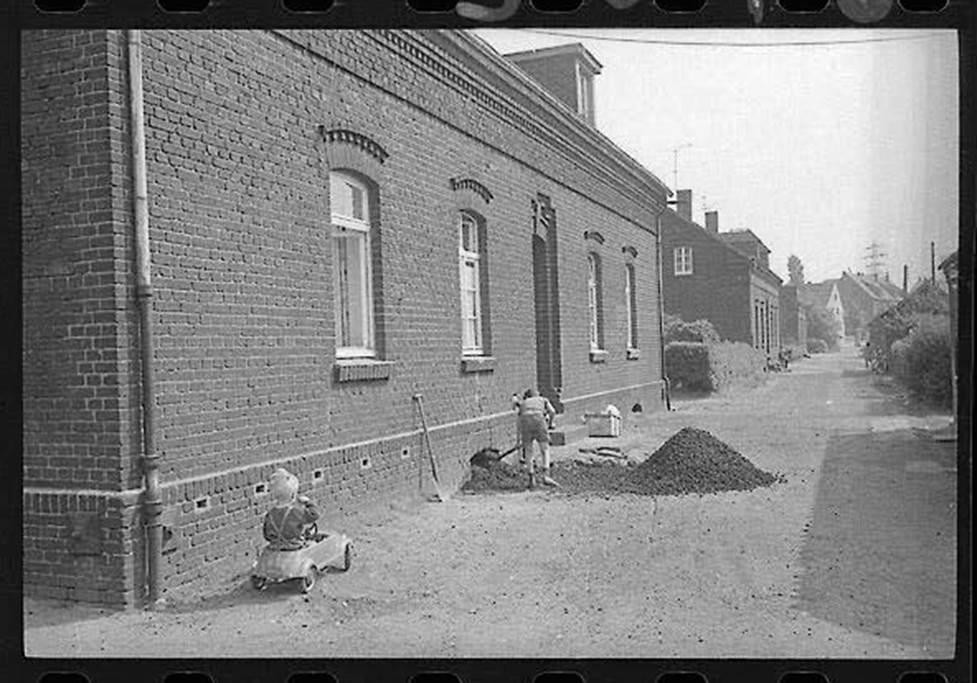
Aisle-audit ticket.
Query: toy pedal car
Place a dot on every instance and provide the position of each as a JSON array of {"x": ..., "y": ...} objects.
[{"x": 320, "y": 550}]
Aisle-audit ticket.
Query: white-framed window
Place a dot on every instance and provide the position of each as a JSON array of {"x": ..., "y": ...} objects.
[
  {"x": 469, "y": 265},
  {"x": 683, "y": 260},
  {"x": 630, "y": 301},
  {"x": 349, "y": 201},
  {"x": 585, "y": 93},
  {"x": 593, "y": 301}
]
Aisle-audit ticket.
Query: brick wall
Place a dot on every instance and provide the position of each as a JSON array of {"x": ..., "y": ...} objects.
[
  {"x": 242, "y": 273},
  {"x": 718, "y": 290},
  {"x": 79, "y": 392}
]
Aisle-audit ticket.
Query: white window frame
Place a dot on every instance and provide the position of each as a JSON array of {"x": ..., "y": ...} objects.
[
  {"x": 468, "y": 258},
  {"x": 585, "y": 92},
  {"x": 341, "y": 226},
  {"x": 593, "y": 300},
  {"x": 682, "y": 259},
  {"x": 630, "y": 305}
]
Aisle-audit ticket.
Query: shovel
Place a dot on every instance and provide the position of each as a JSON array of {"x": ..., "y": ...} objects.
[{"x": 441, "y": 495}]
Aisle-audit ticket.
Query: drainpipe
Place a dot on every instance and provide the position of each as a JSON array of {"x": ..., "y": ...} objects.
[
  {"x": 661, "y": 307},
  {"x": 152, "y": 502}
]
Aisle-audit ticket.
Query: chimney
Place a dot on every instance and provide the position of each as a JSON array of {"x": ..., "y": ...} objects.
[
  {"x": 712, "y": 222},
  {"x": 905, "y": 279},
  {"x": 565, "y": 71},
  {"x": 683, "y": 204}
]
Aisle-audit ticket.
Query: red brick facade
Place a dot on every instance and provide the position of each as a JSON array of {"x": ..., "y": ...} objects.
[
  {"x": 739, "y": 297},
  {"x": 242, "y": 130}
]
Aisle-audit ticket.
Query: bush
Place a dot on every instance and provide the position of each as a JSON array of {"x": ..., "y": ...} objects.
[
  {"x": 687, "y": 365},
  {"x": 735, "y": 363},
  {"x": 921, "y": 360},
  {"x": 821, "y": 325},
  {"x": 712, "y": 367},
  {"x": 701, "y": 331},
  {"x": 817, "y": 346}
]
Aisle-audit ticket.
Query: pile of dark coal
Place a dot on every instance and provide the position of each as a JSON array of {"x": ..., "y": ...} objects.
[
  {"x": 691, "y": 461},
  {"x": 496, "y": 476},
  {"x": 695, "y": 461}
]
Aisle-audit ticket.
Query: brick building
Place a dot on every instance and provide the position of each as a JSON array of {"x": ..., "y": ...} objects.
[
  {"x": 722, "y": 277},
  {"x": 337, "y": 221},
  {"x": 863, "y": 298}
]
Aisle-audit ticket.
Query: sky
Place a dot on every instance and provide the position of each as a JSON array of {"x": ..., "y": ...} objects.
[{"x": 821, "y": 150}]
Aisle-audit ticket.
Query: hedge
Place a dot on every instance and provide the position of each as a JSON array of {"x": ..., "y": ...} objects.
[
  {"x": 817, "y": 346},
  {"x": 677, "y": 330},
  {"x": 712, "y": 367},
  {"x": 921, "y": 360}
]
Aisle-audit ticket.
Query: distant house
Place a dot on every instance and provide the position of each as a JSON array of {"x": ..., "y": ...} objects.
[
  {"x": 865, "y": 297},
  {"x": 724, "y": 278},
  {"x": 925, "y": 298},
  {"x": 793, "y": 319},
  {"x": 825, "y": 295}
]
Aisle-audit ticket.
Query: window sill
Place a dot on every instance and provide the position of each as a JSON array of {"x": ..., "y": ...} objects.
[
  {"x": 683, "y": 274},
  {"x": 362, "y": 369},
  {"x": 598, "y": 355},
  {"x": 477, "y": 363},
  {"x": 634, "y": 354}
]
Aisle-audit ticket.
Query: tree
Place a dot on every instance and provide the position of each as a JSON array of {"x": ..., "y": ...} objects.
[
  {"x": 822, "y": 325},
  {"x": 796, "y": 270}
]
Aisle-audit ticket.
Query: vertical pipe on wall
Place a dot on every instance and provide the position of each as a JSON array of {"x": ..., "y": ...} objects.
[
  {"x": 661, "y": 307},
  {"x": 152, "y": 502}
]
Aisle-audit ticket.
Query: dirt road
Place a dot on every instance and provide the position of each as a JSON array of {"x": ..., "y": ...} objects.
[{"x": 853, "y": 557}]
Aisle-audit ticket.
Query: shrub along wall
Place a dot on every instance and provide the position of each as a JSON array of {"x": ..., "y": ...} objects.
[
  {"x": 921, "y": 360},
  {"x": 712, "y": 367}
]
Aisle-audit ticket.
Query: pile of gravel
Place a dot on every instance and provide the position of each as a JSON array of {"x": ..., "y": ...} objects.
[{"x": 691, "y": 461}]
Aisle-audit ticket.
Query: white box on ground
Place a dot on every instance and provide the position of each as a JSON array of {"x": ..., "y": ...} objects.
[{"x": 602, "y": 424}]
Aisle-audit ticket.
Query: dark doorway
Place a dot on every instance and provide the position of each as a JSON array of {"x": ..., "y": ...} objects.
[{"x": 546, "y": 297}]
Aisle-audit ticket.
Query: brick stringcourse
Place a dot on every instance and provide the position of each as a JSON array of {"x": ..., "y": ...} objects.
[
  {"x": 439, "y": 64},
  {"x": 446, "y": 69},
  {"x": 351, "y": 137},
  {"x": 474, "y": 186}
]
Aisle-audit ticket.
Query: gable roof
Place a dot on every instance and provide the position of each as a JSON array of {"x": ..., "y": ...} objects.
[
  {"x": 816, "y": 293},
  {"x": 880, "y": 290},
  {"x": 735, "y": 238}
]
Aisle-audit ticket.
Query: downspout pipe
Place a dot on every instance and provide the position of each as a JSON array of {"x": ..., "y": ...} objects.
[
  {"x": 151, "y": 501},
  {"x": 661, "y": 307}
]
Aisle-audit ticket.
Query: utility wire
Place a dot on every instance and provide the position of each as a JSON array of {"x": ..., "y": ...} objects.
[{"x": 708, "y": 43}]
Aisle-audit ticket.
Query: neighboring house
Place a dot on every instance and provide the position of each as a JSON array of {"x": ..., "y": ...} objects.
[
  {"x": 720, "y": 277},
  {"x": 863, "y": 298},
  {"x": 825, "y": 295},
  {"x": 925, "y": 298},
  {"x": 338, "y": 221},
  {"x": 793, "y": 319}
]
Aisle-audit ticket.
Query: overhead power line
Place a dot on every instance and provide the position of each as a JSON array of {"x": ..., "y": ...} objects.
[{"x": 723, "y": 43}]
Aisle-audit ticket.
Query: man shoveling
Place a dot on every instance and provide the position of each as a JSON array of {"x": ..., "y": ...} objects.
[{"x": 535, "y": 416}]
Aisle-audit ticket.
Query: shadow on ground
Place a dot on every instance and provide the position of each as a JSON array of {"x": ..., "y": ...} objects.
[{"x": 880, "y": 553}]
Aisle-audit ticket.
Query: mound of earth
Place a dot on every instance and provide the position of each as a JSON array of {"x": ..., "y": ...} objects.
[
  {"x": 691, "y": 461},
  {"x": 496, "y": 476}
]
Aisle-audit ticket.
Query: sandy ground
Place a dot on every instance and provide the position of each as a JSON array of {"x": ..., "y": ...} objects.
[{"x": 853, "y": 557}]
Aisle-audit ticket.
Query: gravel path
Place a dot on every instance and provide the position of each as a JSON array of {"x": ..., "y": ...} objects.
[{"x": 853, "y": 556}]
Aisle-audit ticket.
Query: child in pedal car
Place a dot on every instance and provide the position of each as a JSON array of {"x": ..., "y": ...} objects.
[{"x": 285, "y": 523}]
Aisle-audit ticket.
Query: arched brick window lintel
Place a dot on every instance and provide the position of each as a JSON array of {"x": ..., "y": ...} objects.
[
  {"x": 471, "y": 188},
  {"x": 349, "y": 149}
]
